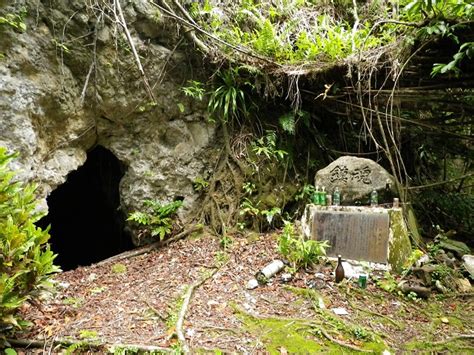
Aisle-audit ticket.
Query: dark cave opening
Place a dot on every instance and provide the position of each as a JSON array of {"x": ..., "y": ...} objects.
[{"x": 87, "y": 224}]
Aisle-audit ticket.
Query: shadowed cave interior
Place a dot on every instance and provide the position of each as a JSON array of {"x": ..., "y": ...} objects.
[{"x": 87, "y": 224}]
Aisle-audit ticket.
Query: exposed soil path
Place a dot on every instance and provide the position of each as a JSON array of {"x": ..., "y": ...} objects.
[{"x": 138, "y": 300}]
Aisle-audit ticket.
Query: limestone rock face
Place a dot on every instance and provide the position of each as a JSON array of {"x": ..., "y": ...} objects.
[
  {"x": 40, "y": 115},
  {"x": 69, "y": 82},
  {"x": 356, "y": 178}
]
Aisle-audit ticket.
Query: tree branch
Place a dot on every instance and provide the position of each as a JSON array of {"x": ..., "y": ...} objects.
[
  {"x": 167, "y": 10},
  {"x": 121, "y": 20},
  {"x": 148, "y": 248},
  {"x": 440, "y": 182},
  {"x": 99, "y": 346}
]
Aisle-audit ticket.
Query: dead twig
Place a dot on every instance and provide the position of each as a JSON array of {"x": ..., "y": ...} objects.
[
  {"x": 154, "y": 310},
  {"x": 223, "y": 329},
  {"x": 97, "y": 345},
  {"x": 377, "y": 314},
  {"x": 167, "y": 10},
  {"x": 454, "y": 338},
  {"x": 148, "y": 248},
  {"x": 340, "y": 343},
  {"x": 121, "y": 20},
  {"x": 188, "y": 26},
  {"x": 440, "y": 182},
  {"x": 184, "y": 309}
]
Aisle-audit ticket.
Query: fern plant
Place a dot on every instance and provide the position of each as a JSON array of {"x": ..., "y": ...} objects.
[
  {"x": 266, "y": 146},
  {"x": 299, "y": 251},
  {"x": 259, "y": 217},
  {"x": 26, "y": 261},
  {"x": 267, "y": 41},
  {"x": 289, "y": 121},
  {"x": 157, "y": 219},
  {"x": 277, "y": 30},
  {"x": 195, "y": 89}
]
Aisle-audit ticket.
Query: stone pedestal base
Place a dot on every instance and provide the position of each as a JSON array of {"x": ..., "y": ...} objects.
[{"x": 360, "y": 233}]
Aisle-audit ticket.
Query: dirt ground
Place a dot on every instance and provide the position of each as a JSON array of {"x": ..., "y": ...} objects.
[{"x": 136, "y": 303}]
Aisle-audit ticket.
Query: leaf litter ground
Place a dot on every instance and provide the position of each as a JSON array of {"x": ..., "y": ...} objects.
[{"x": 137, "y": 301}]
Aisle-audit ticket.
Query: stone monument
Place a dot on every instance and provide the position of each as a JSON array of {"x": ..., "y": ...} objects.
[
  {"x": 369, "y": 233},
  {"x": 356, "y": 178}
]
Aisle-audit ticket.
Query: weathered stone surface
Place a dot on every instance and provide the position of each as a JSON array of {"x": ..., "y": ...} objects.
[
  {"x": 469, "y": 264},
  {"x": 399, "y": 245},
  {"x": 406, "y": 287},
  {"x": 52, "y": 118},
  {"x": 458, "y": 248},
  {"x": 355, "y": 178},
  {"x": 357, "y": 235},
  {"x": 39, "y": 112},
  {"x": 360, "y": 233},
  {"x": 424, "y": 273},
  {"x": 463, "y": 285}
]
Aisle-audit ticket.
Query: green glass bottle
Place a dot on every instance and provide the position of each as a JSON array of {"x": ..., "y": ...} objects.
[
  {"x": 322, "y": 196},
  {"x": 315, "y": 197}
]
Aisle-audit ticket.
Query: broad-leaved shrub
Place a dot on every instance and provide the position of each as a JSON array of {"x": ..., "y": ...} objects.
[{"x": 26, "y": 261}]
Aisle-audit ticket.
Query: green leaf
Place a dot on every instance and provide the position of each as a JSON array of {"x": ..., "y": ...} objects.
[
  {"x": 287, "y": 122},
  {"x": 139, "y": 217},
  {"x": 157, "y": 217},
  {"x": 26, "y": 260}
]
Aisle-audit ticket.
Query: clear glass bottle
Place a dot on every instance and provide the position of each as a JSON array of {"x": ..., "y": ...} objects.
[
  {"x": 396, "y": 203},
  {"x": 336, "y": 197},
  {"x": 374, "y": 198}
]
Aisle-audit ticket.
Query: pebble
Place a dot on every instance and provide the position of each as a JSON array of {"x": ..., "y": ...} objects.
[
  {"x": 340, "y": 311},
  {"x": 252, "y": 284}
]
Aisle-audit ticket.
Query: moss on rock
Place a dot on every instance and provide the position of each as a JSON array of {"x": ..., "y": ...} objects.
[{"x": 399, "y": 246}]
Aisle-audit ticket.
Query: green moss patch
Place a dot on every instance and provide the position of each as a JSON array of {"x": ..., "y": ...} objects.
[
  {"x": 399, "y": 243},
  {"x": 276, "y": 334},
  {"x": 455, "y": 345},
  {"x": 323, "y": 333}
]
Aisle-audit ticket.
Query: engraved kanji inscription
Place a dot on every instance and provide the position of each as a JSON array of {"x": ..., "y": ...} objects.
[{"x": 342, "y": 173}]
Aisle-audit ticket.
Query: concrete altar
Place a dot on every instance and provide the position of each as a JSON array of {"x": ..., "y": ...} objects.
[{"x": 371, "y": 234}]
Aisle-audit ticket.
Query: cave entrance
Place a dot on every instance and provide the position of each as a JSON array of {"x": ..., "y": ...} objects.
[{"x": 87, "y": 224}]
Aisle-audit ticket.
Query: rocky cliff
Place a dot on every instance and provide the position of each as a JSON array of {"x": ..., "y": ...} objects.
[{"x": 69, "y": 82}]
